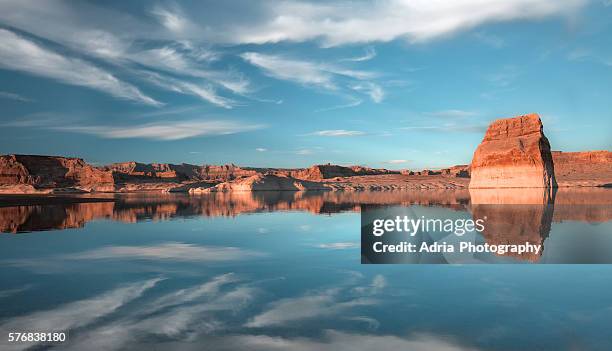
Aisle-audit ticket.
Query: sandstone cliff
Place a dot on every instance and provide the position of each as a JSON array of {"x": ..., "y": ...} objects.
[
  {"x": 51, "y": 172},
  {"x": 513, "y": 154},
  {"x": 135, "y": 171},
  {"x": 588, "y": 168},
  {"x": 265, "y": 182},
  {"x": 328, "y": 171}
]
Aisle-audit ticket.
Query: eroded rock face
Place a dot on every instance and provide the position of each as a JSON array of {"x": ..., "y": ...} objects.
[
  {"x": 513, "y": 154},
  {"x": 267, "y": 182},
  {"x": 154, "y": 172},
  {"x": 52, "y": 172},
  {"x": 586, "y": 168},
  {"x": 328, "y": 171}
]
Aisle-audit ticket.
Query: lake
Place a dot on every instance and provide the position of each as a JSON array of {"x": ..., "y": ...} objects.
[{"x": 279, "y": 271}]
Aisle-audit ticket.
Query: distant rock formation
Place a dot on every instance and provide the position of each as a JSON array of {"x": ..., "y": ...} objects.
[
  {"x": 328, "y": 171},
  {"x": 135, "y": 171},
  {"x": 460, "y": 171},
  {"x": 513, "y": 154},
  {"x": 265, "y": 182},
  {"x": 587, "y": 168},
  {"x": 52, "y": 172}
]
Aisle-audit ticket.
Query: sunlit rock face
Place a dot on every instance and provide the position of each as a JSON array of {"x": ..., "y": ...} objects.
[
  {"x": 513, "y": 154},
  {"x": 586, "y": 168},
  {"x": 53, "y": 172},
  {"x": 320, "y": 172},
  {"x": 267, "y": 182},
  {"x": 147, "y": 172}
]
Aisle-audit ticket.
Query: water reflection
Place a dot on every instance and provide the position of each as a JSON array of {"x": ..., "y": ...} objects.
[
  {"x": 537, "y": 210},
  {"x": 517, "y": 216},
  {"x": 278, "y": 271},
  {"x": 514, "y": 216},
  {"x": 65, "y": 213}
]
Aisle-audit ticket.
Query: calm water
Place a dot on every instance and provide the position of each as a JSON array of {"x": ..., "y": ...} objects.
[{"x": 282, "y": 271}]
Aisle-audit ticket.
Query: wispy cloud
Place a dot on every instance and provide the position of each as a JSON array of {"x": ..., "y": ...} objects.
[
  {"x": 315, "y": 74},
  {"x": 301, "y": 71},
  {"x": 326, "y": 303},
  {"x": 188, "y": 310},
  {"x": 353, "y": 102},
  {"x": 374, "y": 91},
  {"x": 127, "y": 42},
  {"x": 369, "y": 54},
  {"x": 209, "y": 289},
  {"x": 261, "y": 149},
  {"x": 169, "y": 130},
  {"x": 78, "y": 313},
  {"x": 339, "y": 245},
  {"x": 338, "y": 133},
  {"x": 339, "y": 340},
  {"x": 337, "y": 23},
  {"x": 10, "y": 292},
  {"x": 183, "y": 59},
  {"x": 171, "y": 17},
  {"x": 304, "y": 152},
  {"x": 167, "y": 251},
  {"x": 13, "y": 96},
  {"x": 21, "y": 54},
  {"x": 205, "y": 92},
  {"x": 379, "y": 282}
]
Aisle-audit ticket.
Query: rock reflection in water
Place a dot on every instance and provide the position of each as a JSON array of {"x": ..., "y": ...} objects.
[
  {"x": 132, "y": 208},
  {"x": 514, "y": 216}
]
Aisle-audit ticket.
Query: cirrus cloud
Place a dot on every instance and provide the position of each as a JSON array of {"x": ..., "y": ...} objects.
[
  {"x": 343, "y": 22},
  {"x": 168, "y": 130},
  {"x": 338, "y": 133},
  {"x": 21, "y": 54}
]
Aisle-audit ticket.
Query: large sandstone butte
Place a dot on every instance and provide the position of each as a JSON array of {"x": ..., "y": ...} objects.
[{"x": 513, "y": 154}]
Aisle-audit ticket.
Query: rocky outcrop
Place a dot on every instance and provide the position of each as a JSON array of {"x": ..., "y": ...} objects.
[
  {"x": 265, "y": 182},
  {"x": 329, "y": 171},
  {"x": 588, "y": 168},
  {"x": 513, "y": 154},
  {"x": 460, "y": 171},
  {"x": 155, "y": 172},
  {"x": 52, "y": 172},
  {"x": 565, "y": 159}
]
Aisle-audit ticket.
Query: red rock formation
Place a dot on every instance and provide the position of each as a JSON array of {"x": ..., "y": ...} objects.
[
  {"x": 51, "y": 172},
  {"x": 513, "y": 154},
  {"x": 460, "y": 171},
  {"x": 328, "y": 171},
  {"x": 12, "y": 172},
  {"x": 588, "y": 168},
  {"x": 154, "y": 172},
  {"x": 266, "y": 182}
]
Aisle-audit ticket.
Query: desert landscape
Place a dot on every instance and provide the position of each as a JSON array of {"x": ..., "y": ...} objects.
[{"x": 514, "y": 153}]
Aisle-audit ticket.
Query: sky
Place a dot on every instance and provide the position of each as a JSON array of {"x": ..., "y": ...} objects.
[{"x": 387, "y": 83}]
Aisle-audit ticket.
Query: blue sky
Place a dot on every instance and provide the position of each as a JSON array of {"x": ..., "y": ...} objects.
[{"x": 395, "y": 84}]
